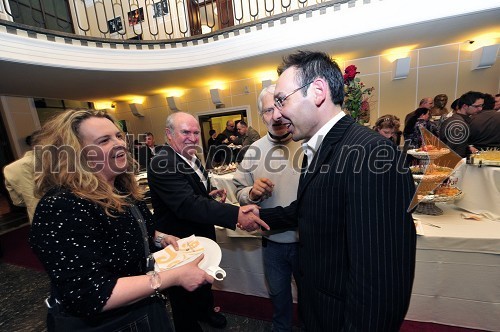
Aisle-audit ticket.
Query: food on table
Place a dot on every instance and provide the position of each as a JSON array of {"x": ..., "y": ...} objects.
[
  {"x": 488, "y": 157},
  {"x": 226, "y": 168},
  {"x": 447, "y": 191},
  {"x": 431, "y": 170},
  {"x": 430, "y": 148}
]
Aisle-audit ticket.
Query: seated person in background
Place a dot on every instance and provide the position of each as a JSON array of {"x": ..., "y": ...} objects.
[
  {"x": 230, "y": 133},
  {"x": 20, "y": 179},
  {"x": 94, "y": 234},
  {"x": 216, "y": 150},
  {"x": 485, "y": 126},
  {"x": 497, "y": 102},
  {"x": 213, "y": 138},
  {"x": 150, "y": 143},
  {"x": 147, "y": 151},
  {"x": 267, "y": 176},
  {"x": 419, "y": 120},
  {"x": 427, "y": 102},
  {"x": 455, "y": 130},
  {"x": 247, "y": 135},
  {"x": 388, "y": 126}
]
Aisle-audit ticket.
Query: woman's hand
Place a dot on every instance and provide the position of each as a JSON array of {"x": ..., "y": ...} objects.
[
  {"x": 164, "y": 240},
  {"x": 171, "y": 240},
  {"x": 191, "y": 276}
]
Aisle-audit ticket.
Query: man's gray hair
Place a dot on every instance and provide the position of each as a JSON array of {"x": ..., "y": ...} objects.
[
  {"x": 269, "y": 89},
  {"x": 170, "y": 123}
]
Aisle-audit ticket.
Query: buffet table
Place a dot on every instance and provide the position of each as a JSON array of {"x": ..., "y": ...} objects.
[
  {"x": 456, "y": 277},
  {"x": 481, "y": 188},
  {"x": 457, "y": 271}
]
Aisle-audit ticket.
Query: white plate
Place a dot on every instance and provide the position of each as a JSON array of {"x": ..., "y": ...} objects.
[
  {"x": 432, "y": 154},
  {"x": 213, "y": 254}
]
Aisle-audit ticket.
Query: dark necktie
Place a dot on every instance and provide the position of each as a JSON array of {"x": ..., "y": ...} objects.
[{"x": 198, "y": 164}]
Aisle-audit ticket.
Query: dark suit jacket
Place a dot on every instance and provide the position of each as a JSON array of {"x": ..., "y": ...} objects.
[
  {"x": 181, "y": 203},
  {"x": 357, "y": 241},
  {"x": 485, "y": 129},
  {"x": 454, "y": 132}
]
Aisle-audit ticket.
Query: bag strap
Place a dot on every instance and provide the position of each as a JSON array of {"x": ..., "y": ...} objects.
[{"x": 144, "y": 232}]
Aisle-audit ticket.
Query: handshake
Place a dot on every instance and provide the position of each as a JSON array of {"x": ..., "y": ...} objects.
[{"x": 248, "y": 219}]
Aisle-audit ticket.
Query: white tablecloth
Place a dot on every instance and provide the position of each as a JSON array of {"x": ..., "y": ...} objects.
[
  {"x": 456, "y": 278},
  {"x": 242, "y": 260},
  {"x": 225, "y": 181},
  {"x": 481, "y": 188}
]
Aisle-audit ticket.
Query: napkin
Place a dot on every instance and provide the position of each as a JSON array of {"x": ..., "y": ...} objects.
[
  {"x": 480, "y": 215},
  {"x": 418, "y": 226},
  {"x": 168, "y": 257},
  {"x": 471, "y": 216}
]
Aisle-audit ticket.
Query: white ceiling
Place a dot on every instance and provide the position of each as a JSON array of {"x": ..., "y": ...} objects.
[{"x": 21, "y": 79}]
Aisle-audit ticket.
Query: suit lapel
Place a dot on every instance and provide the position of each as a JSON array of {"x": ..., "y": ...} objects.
[
  {"x": 192, "y": 176},
  {"x": 324, "y": 152}
]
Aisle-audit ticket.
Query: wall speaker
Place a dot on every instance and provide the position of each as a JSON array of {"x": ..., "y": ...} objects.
[
  {"x": 216, "y": 99},
  {"x": 484, "y": 57},
  {"x": 401, "y": 68},
  {"x": 172, "y": 103},
  {"x": 136, "y": 109}
]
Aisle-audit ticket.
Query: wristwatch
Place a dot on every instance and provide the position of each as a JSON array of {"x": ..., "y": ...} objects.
[
  {"x": 154, "y": 280},
  {"x": 158, "y": 240}
]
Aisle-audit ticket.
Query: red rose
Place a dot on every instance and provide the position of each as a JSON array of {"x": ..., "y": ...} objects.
[
  {"x": 365, "y": 106},
  {"x": 350, "y": 73}
]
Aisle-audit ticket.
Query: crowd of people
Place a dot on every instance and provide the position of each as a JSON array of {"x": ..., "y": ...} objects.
[
  {"x": 469, "y": 126},
  {"x": 327, "y": 220}
]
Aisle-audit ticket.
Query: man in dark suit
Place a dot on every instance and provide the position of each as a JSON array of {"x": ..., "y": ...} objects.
[
  {"x": 485, "y": 125},
  {"x": 184, "y": 205},
  {"x": 357, "y": 240},
  {"x": 455, "y": 131}
]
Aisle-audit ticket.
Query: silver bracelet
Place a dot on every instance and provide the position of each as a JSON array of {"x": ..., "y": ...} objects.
[{"x": 154, "y": 281}]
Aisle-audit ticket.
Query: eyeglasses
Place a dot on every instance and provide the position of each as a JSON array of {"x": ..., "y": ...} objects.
[
  {"x": 278, "y": 101},
  {"x": 477, "y": 106}
]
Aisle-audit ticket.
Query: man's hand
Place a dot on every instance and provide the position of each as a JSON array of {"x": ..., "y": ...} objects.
[
  {"x": 219, "y": 195},
  {"x": 248, "y": 219},
  {"x": 262, "y": 189}
]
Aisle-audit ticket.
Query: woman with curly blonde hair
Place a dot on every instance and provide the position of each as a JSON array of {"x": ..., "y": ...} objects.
[{"x": 94, "y": 234}]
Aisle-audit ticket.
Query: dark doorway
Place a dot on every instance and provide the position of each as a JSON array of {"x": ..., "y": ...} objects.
[
  {"x": 217, "y": 121},
  {"x": 209, "y": 15}
]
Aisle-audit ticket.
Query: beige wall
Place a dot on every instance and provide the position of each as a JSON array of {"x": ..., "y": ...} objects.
[
  {"x": 20, "y": 119},
  {"x": 440, "y": 69},
  {"x": 195, "y": 101}
]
